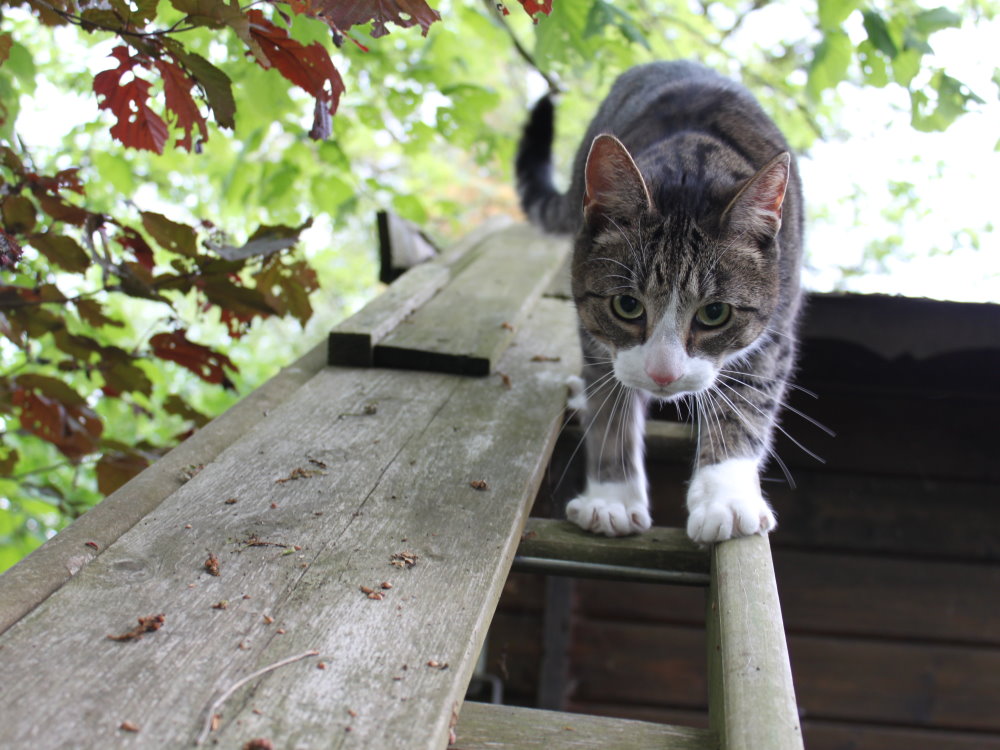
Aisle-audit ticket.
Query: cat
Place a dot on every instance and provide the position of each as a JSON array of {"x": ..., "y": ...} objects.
[{"x": 686, "y": 205}]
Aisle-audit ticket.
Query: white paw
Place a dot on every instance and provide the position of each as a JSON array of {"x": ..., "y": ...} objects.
[
  {"x": 611, "y": 508},
  {"x": 724, "y": 501},
  {"x": 577, "y": 393}
]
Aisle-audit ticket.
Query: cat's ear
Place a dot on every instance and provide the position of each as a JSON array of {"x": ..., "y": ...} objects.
[
  {"x": 613, "y": 185},
  {"x": 756, "y": 209}
]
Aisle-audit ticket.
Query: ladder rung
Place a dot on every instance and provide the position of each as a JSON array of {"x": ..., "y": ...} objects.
[
  {"x": 577, "y": 569},
  {"x": 482, "y": 726}
]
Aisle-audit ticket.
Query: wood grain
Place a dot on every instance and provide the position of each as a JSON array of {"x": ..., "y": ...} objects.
[
  {"x": 384, "y": 460},
  {"x": 467, "y": 326}
]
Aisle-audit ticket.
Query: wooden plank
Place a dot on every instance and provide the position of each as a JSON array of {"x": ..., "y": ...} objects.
[
  {"x": 351, "y": 343},
  {"x": 33, "y": 579},
  {"x": 487, "y": 727},
  {"x": 467, "y": 326},
  {"x": 751, "y": 695},
  {"x": 395, "y": 477},
  {"x": 662, "y": 549}
]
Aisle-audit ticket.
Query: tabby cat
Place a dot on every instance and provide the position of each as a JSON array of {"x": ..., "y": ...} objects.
[{"x": 686, "y": 205}]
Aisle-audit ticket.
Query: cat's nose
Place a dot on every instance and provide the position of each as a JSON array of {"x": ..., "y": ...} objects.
[{"x": 662, "y": 377}]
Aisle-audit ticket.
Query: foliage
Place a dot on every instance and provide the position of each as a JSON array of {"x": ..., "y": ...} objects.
[{"x": 153, "y": 258}]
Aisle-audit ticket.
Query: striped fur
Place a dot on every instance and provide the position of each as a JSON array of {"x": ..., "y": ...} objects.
[{"x": 684, "y": 201}]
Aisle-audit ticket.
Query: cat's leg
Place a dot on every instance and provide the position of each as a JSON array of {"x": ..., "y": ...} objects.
[
  {"x": 735, "y": 421},
  {"x": 615, "y": 501}
]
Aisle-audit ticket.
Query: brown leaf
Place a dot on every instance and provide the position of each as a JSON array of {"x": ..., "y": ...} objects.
[
  {"x": 19, "y": 214},
  {"x": 10, "y": 251},
  {"x": 116, "y": 467},
  {"x": 343, "y": 14},
  {"x": 208, "y": 365},
  {"x": 64, "y": 251},
  {"x": 170, "y": 235}
]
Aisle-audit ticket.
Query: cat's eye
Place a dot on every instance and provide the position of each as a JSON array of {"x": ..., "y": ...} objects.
[
  {"x": 627, "y": 307},
  {"x": 714, "y": 314}
]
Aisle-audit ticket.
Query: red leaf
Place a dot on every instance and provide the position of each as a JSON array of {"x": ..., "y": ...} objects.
[
  {"x": 309, "y": 68},
  {"x": 534, "y": 7},
  {"x": 171, "y": 235},
  {"x": 343, "y": 14},
  {"x": 202, "y": 361},
  {"x": 177, "y": 89},
  {"x": 66, "y": 179},
  {"x": 72, "y": 427},
  {"x": 140, "y": 248},
  {"x": 138, "y": 126}
]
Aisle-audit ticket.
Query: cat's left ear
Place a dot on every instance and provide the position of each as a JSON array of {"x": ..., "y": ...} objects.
[
  {"x": 756, "y": 209},
  {"x": 613, "y": 185}
]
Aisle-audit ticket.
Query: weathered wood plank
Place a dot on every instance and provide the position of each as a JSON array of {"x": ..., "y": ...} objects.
[
  {"x": 351, "y": 342},
  {"x": 33, "y": 579},
  {"x": 751, "y": 695},
  {"x": 468, "y": 325},
  {"x": 385, "y": 461},
  {"x": 483, "y": 726},
  {"x": 663, "y": 549}
]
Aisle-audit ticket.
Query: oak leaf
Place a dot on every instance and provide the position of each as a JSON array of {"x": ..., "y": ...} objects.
[
  {"x": 208, "y": 365},
  {"x": 177, "y": 85}
]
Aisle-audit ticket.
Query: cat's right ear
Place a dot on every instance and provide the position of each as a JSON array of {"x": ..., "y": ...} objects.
[{"x": 613, "y": 185}]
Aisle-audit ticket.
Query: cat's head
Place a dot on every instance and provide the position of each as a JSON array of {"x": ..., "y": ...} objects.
[{"x": 674, "y": 289}]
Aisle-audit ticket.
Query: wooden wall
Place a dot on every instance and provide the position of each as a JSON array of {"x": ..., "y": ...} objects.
[{"x": 887, "y": 555}]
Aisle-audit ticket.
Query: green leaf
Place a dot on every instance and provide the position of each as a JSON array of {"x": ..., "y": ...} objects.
[
  {"x": 832, "y": 13},
  {"x": 905, "y": 66},
  {"x": 603, "y": 14},
  {"x": 950, "y": 102},
  {"x": 936, "y": 19},
  {"x": 830, "y": 63},
  {"x": 873, "y": 65},
  {"x": 216, "y": 85},
  {"x": 878, "y": 34}
]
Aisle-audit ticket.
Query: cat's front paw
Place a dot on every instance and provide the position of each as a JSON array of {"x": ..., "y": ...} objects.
[
  {"x": 611, "y": 508},
  {"x": 724, "y": 501}
]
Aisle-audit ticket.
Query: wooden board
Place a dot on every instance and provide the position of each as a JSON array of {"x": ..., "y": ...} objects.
[
  {"x": 385, "y": 460},
  {"x": 352, "y": 342},
  {"x": 467, "y": 326},
  {"x": 488, "y": 727},
  {"x": 34, "y": 578}
]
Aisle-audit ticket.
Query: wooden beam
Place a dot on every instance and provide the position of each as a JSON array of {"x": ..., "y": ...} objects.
[
  {"x": 483, "y": 726},
  {"x": 751, "y": 695}
]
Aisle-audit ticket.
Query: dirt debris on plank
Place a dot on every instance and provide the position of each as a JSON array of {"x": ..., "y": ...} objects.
[{"x": 146, "y": 625}]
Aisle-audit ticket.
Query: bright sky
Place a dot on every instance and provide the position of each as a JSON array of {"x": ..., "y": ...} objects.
[{"x": 957, "y": 174}]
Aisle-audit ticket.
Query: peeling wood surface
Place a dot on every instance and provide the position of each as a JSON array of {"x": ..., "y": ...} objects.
[{"x": 355, "y": 467}]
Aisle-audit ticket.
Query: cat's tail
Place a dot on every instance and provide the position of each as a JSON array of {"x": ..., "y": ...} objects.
[{"x": 541, "y": 201}]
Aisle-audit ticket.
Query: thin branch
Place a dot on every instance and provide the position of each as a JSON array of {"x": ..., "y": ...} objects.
[
  {"x": 122, "y": 31},
  {"x": 491, "y": 9},
  {"x": 217, "y": 704}
]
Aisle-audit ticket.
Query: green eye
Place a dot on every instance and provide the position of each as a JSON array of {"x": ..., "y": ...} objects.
[
  {"x": 714, "y": 314},
  {"x": 627, "y": 307}
]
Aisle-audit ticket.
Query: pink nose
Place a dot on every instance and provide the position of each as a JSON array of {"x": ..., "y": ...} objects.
[{"x": 662, "y": 377}]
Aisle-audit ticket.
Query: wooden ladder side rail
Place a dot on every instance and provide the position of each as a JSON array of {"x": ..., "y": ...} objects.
[{"x": 751, "y": 695}]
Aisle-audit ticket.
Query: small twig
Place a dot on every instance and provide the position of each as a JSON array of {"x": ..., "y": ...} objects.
[{"x": 207, "y": 728}]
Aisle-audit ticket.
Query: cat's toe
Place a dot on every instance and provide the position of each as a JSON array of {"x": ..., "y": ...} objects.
[
  {"x": 719, "y": 520},
  {"x": 610, "y": 516}
]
